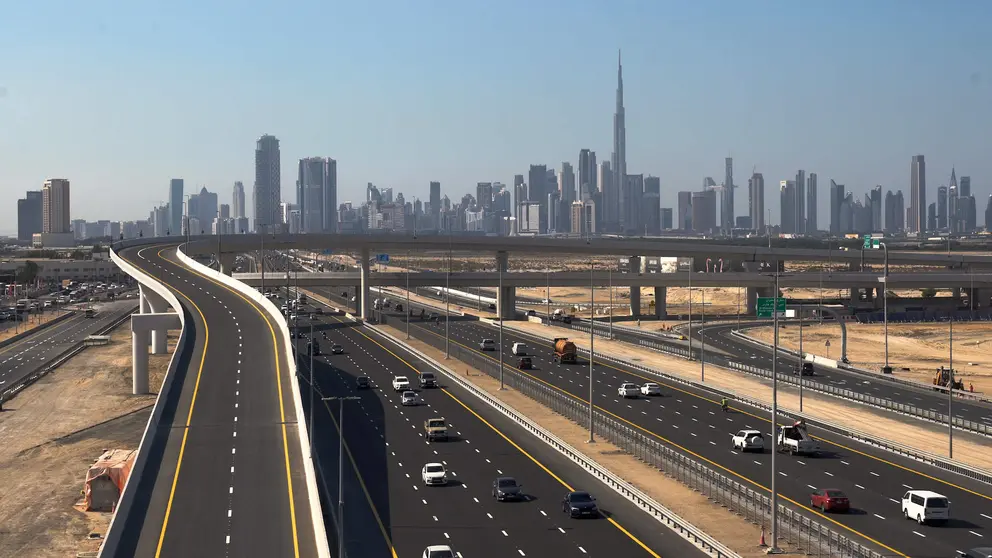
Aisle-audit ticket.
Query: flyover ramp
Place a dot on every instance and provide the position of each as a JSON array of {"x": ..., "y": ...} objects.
[{"x": 229, "y": 481}]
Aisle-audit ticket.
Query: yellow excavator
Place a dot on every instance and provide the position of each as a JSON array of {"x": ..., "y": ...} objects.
[{"x": 942, "y": 377}]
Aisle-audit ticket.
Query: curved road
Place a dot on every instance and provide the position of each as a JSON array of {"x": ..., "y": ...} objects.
[{"x": 230, "y": 479}]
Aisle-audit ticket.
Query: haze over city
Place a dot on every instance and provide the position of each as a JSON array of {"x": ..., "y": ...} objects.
[{"x": 119, "y": 99}]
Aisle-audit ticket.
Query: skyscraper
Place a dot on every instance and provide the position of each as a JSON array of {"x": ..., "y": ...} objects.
[
  {"x": 587, "y": 175},
  {"x": 316, "y": 194},
  {"x": 238, "y": 201},
  {"x": 610, "y": 198},
  {"x": 566, "y": 183},
  {"x": 918, "y": 195},
  {"x": 812, "y": 223},
  {"x": 30, "y": 215},
  {"x": 756, "y": 201},
  {"x": 837, "y": 195},
  {"x": 875, "y": 203},
  {"x": 942, "y": 207},
  {"x": 800, "y": 202},
  {"x": 484, "y": 195},
  {"x": 435, "y": 200},
  {"x": 787, "y": 206},
  {"x": 684, "y": 221},
  {"x": 895, "y": 214},
  {"x": 537, "y": 181},
  {"x": 268, "y": 186},
  {"x": 55, "y": 206},
  {"x": 176, "y": 213},
  {"x": 727, "y": 200},
  {"x": 619, "y": 157}
]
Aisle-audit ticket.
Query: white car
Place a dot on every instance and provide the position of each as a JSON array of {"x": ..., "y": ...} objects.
[
  {"x": 401, "y": 383},
  {"x": 438, "y": 551},
  {"x": 628, "y": 389},
  {"x": 749, "y": 440},
  {"x": 651, "y": 388},
  {"x": 434, "y": 474},
  {"x": 487, "y": 345},
  {"x": 519, "y": 349},
  {"x": 409, "y": 398}
]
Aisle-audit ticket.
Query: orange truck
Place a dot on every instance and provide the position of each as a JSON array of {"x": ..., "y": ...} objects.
[{"x": 565, "y": 351}]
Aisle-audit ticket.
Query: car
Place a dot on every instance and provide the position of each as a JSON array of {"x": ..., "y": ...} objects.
[
  {"x": 436, "y": 429},
  {"x": 628, "y": 389},
  {"x": 749, "y": 440},
  {"x": 487, "y": 345},
  {"x": 829, "y": 500},
  {"x": 409, "y": 399},
  {"x": 925, "y": 506},
  {"x": 318, "y": 310},
  {"x": 805, "y": 370},
  {"x": 433, "y": 474},
  {"x": 438, "y": 551},
  {"x": 362, "y": 382},
  {"x": 344, "y": 294},
  {"x": 337, "y": 349},
  {"x": 525, "y": 363},
  {"x": 506, "y": 488},
  {"x": 651, "y": 388},
  {"x": 519, "y": 349},
  {"x": 980, "y": 552},
  {"x": 401, "y": 383},
  {"x": 578, "y": 503},
  {"x": 428, "y": 380},
  {"x": 284, "y": 308}
]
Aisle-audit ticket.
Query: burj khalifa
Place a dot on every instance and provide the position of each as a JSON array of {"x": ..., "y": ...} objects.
[{"x": 614, "y": 203}]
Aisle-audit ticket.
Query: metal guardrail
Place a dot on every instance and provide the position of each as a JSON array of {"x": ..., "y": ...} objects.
[
  {"x": 659, "y": 512},
  {"x": 796, "y": 528},
  {"x": 870, "y": 439}
]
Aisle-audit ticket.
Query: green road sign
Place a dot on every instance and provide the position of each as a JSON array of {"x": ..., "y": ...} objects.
[
  {"x": 765, "y": 305},
  {"x": 871, "y": 243}
]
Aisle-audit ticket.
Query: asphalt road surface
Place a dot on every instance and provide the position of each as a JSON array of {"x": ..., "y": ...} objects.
[
  {"x": 25, "y": 357},
  {"x": 389, "y": 510},
  {"x": 691, "y": 421},
  {"x": 229, "y": 478}
]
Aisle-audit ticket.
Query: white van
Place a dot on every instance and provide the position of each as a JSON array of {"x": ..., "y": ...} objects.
[
  {"x": 519, "y": 349},
  {"x": 925, "y": 507}
]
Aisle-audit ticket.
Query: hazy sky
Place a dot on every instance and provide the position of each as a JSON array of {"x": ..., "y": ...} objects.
[{"x": 119, "y": 97}]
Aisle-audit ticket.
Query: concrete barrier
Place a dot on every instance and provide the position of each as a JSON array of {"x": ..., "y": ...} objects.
[{"x": 320, "y": 535}]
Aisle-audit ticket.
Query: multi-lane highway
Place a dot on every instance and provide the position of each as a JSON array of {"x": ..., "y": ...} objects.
[
  {"x": 691, "y": 421},
  {"x": 229, "y": 478},
  {"x": 388, "y": 508},
  {"x": 28, "y": 355}
]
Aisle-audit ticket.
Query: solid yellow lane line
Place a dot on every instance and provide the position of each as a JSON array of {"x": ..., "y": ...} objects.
[
  {"x": 515, "y": 445},
  {"x": 282, "y": 410}
]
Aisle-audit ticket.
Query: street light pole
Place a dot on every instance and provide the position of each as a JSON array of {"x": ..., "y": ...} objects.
[
  {"x": 611, "y": 301},
  {"x": 311, "y": 387},
  {"x": 447, "y": 300},
  {"x": 547, "y": 321},
  {"x": 501, "y": 303},
  {"x": 408, "y": 309},
  {"x": 702, "y": 338},
  {"x": 773, "y": 547},
  {"x": 691, "y": 269},
  {"x": 592, "y": 339},
  {"x": 885, "y": 304},
  {"x": 341, "y": 401},
  {"x": 950, "y": 388},
  {"x": 802, "y": 357},
  {"x": 261, "y": 251}
]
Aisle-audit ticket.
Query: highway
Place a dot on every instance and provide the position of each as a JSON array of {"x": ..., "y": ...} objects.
[
  {"x": 389, "y": 511},
  {"x": 690, "y": 420},
  {"x": 28, "y": 355},
  {"x": 229, "y": 478}
]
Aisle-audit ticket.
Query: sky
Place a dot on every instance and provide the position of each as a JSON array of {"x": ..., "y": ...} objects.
[{"x": 119, "y": 97}]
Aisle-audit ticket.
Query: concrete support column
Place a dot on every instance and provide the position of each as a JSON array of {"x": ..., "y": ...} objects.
[
  {"x": 363, "y": 298},
  {"x": 358, "y": 299},
  {"x": 635, "y": 292},
  {"x": 144, "y": 306},
  {"x": 506, "y": 298},
  {"x": 227, "y": 263},
  {"x": 956, "y": 294},
  {"x": 139, "y": 360},
  {"x": 870, "y": 294},
  {"x": 661, "y": 302},
  {"x": 752, "y": 300},
  {"x": 159, "y": 336},
  {"x": 982, "y": 297}
]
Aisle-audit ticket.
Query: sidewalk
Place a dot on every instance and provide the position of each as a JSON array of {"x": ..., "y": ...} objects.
[{"x": 917, "y": 434}]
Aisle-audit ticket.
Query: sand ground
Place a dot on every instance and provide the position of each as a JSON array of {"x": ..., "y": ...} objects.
[
  {"x": 53, "y": 431},
  {"x": 915, "y": 350}
]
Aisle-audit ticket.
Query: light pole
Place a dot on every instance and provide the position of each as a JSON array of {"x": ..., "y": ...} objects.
[
  {"x": 547, "y": 322},
  {"x": 802, "y": 357},
  {"x": 408, "y": 309},
  {"x": 592, "y": 338},
  {"x": 311, "y": 386},
  {"x": 447, "y": 299},
  {"x": 738, "y": 304},
  {"x": 950, "y": 387},
  {"x": 774, "y": 548},
  {"x": 500, "y": 303},
  {"x": 261, "y": 251},
  {"x": 702, "y": 337},
  {"x": 691, "y": 269},
  {"x": 340, "y": 401},
  {"x": 885, "y": 305},
  {"x": 611, "y": 302}
]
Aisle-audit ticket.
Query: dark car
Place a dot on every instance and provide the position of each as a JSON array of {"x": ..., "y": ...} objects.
[
  {"x": 337, "y": 349},
  {"x": 319, "y": 310},
  {"x": 344, "y": 294},
  {"x": 506, "y": 488},
  {"x": 829, "y": 499},
  {"x": 399, "y": 307},
  {"x": 314, "y": 348},
  {"x": 428, "y": 380},
  {"x": 579, "y": 504},
  {"x": 362, "y": 382},
  {"x": 806, "y": 370},
  {"x": 525, "y": 363},
  {"x": 981, "y": 552}
]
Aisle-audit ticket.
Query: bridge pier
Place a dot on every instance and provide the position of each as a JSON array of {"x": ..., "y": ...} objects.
[
  {"x": 153, "y": 303},
  {"x": 661, "y": 302},
  {"x": 634, "y": 265},
  {"x": 227, "y": 263},
  {"x": 362, "y": 299},
  {"x": 143, "y": 327},
  {"x": 506, "y": 298}
]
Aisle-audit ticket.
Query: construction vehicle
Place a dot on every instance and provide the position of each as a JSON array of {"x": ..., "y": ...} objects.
[
  {"x": 565, "y": 351},
  {"x": 796, "y": 440},
  {"x": 942, "y": 377},
  {"x": 559, "y": 315}
]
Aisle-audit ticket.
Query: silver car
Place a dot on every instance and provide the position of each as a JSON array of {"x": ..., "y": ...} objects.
[{"x": 409, "y": 398}]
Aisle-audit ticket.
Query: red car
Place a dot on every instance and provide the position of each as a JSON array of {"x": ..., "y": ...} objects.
[{"x": 829, "y": 499}]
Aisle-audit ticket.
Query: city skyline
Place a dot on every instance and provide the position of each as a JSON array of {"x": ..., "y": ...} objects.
[{"x": 658, "y": 121}]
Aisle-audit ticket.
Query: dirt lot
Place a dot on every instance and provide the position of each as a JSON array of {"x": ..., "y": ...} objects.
[
  {"x": 921, "y": 348},
  {"x": 716, "y": 520},
  {"x": 51, "y": 433}
]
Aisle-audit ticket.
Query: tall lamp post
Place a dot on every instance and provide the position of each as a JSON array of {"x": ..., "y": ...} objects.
[
  {"x": 500, "y": 302},
  {"x": 950, "y": 387},
  {"x": 885, "y": 305},
  {"x": 802, "y": 357},
  {"x": 774, "y": 548},
  {"x": 592, "y": 339},
  {"x": 702, "y": 338},
  {"x": 340, "y": 401},
  {"x": 408, "y": 309},
  {"x": 447, "y": 300},
  {"x": 691, "y": 270}
]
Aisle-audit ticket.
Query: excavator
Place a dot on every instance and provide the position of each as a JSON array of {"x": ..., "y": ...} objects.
[{"x": 942, "y": 377}]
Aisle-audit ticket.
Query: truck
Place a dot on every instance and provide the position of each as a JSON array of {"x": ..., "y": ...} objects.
[
  {"x": 796, "y": 440},
  {"x": 559, "y": 315},
  {"x": 436, "y": 429},
  {"x": 565, "y": 351}
]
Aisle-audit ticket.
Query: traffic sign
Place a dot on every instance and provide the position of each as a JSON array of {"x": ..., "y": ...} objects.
[
  {"x": 382, "y": 258},
  {"x": 766, "y": 304},
  {"x": 871, "y": 243}
]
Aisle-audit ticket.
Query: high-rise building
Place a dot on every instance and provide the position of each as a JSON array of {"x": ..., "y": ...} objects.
[
  {"x": 837, "y": 195},
  {"x": 684, "y": 222},
  {"x": 587, "y": 183},
  {"x": 988, "y": 213},
  {"x": 704, "y": 211},
  {"x": 537, "y": 190},
  {"x": 55, "y": 206},
  {"x": 317, "y": 194},
  {"x": 666, "y": 218},
  {"x": 484, "y": 195},
  {"x": 932, "y": 216},
  {"x": 800, "y": 221},
  {"x": 631, "y": 217},
  {"x": 175, "y": 215},
  {"x": 566, "y": 183},
  {"x": 787, "y": 206},
  {"x": 727, "y": 199},
  {"x": 609, "y": 210},
  {"x": 942, "y": 207},
  {"x": 895, "y": 212},
  {"x": 918, "y": 195},
  {"x": 435, "y": 199},
  {"x": 238, "y": 205},
  {"x": 812, "y": 206},
  {"x": 576, "y": 212},
  {"x": 965, "y": 189},
  {"x": 224, "y": 212},
  {"x": 618, "y": 160},
  {"x": 30, "y": 215},
  {"x": 875, "y": 203},
  {"x": 756, "y": 200},
  {"x": 267, "y": 191}
]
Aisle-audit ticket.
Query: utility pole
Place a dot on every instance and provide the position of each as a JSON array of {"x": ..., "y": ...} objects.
[
  {"x": 592, "y": 339},
  {"x": 341, "y": 400},
  {"x": 773, "y": 548}
]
